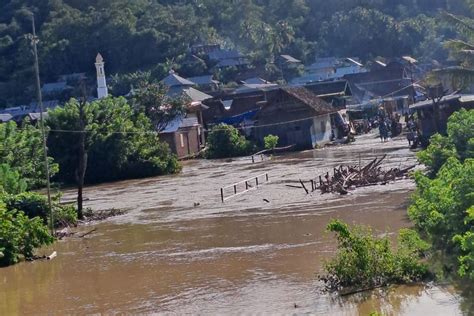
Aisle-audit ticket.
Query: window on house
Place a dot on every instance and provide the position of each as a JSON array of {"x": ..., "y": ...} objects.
[{"x": 181, "y": 139}]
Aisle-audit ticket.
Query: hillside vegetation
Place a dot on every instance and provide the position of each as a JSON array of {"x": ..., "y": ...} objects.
[{"x": 155, "y": 35}]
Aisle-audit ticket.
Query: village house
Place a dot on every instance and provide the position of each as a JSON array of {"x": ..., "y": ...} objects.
[
  {"x": 329, "y": 68},
  {"x": 297, "y": 116},
  {"x": 19, "y": 113},
  {"x": 205, "y": 83},
  {"x": 183, "y": 136},
  {"x": 225, "y": 58},
  {"x": 59, "y": 89},
  {"x": 233, "y": 108},
  {"x": 389, "y": 81},
  {"x": 336, "y": 93},
  {"x": 5, "y": 118},
  {"x": 433, "y": 115},
  {"x": 240, "y": 107}
]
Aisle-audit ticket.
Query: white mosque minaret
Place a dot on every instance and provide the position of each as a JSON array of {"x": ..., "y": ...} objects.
[{"x": 102, "y": 91}]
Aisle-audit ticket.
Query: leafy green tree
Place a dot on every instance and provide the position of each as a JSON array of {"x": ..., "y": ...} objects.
[
  {"x": 459, "y": 142},
  {"x": 461, "y": 50},
  {"x": 442, "y": 207},
  {"x": 22, "y": 150},
  {"x": 120, "y": 143},
  {"x": 122, "y": 84},
  {"x": 154, "y": 102},
  {"x": 10, "y": 180},
  {"x": 225, "y": 141}
]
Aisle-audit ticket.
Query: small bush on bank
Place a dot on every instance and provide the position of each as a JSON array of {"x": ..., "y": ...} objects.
[
  {"x": 271, "y": 141},
  {"x": 365, "y": 261},
  {"x": 20, "y": 235},
  {"x": 225, "y": 141},
  {"x": 65, "y": 215}
]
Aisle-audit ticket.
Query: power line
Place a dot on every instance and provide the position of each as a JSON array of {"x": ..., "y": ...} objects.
[{"x": 239, "y": 127}]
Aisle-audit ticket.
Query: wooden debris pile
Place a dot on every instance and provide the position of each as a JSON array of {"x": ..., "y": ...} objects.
[{"x": 346, "y": 178}]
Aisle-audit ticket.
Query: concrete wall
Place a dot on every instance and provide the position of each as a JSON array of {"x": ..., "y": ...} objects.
[
  {"x": 184, "y": 142},
  {"x": 321, "y": 130}
]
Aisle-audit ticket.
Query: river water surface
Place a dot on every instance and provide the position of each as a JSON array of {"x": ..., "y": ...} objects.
[{"x": 180, "y": 250}]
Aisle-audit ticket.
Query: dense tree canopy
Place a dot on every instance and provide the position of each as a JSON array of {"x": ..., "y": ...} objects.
[
  {"x": 154, "y": 35},
  {"x": 443, "y": 205},
  {"x": 119, "y": 142}
]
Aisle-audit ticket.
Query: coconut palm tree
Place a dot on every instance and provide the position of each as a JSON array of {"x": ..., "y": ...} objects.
[{"x": 461, "y": 50}]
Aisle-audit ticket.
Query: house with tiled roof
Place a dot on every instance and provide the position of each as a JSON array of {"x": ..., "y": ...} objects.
[{"x": 297, "y": 116}]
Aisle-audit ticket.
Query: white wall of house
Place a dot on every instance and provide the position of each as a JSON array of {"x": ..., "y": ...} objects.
[{"x": 321, "y": 130}]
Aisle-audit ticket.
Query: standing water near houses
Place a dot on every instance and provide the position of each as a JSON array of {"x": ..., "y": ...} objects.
[{"x": 180, "y": 250}]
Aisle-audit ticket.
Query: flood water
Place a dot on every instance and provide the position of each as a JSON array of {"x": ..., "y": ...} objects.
[{"x": 180, "y": 250}]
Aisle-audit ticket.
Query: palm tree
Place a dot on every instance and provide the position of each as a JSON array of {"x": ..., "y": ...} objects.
[{"x": 461, "y": 50}]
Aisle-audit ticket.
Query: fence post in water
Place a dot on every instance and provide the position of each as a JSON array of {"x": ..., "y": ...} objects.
[
  {"x": 312, "y": 185},
  {"x": 235, "y": 188},
  {"x": 266, "y": 176},
  {"x": 253, "y": 159},
  {"x": 222, "y": 195},
  {"x": 246, "y": 186},
  {"x": 256, "y": 181}
]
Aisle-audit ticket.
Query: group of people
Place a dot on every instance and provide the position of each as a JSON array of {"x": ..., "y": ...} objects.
[{"x": 389, "y": 126}]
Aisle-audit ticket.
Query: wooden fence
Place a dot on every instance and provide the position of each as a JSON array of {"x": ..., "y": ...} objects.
[{"x": 242, "y": 187}]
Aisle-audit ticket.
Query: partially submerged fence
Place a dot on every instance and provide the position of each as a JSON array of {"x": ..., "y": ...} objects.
[{"x": 242, "y": 187}]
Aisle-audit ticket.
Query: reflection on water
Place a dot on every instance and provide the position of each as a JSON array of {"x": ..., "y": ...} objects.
[{"x": 244, "y": 256}]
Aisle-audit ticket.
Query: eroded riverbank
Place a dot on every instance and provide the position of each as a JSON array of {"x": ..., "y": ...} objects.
[{"x": 171, "y": 255}]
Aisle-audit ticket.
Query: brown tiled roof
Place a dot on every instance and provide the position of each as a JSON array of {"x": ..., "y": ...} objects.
[{"x": 309, "y": 98}]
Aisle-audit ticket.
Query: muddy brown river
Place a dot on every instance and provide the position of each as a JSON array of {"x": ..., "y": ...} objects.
[{"x": 180, "y": 250}]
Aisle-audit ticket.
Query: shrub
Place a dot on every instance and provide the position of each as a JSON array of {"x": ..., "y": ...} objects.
[
  {"x": 365, "y": 261},
  {"x": 20, "y": 235},
  {"x": 225, "y": 141},
  {"x": 65, "y": 215},
  {"x": 271, "y": 141},
  {"x": 31, "y": 204}
]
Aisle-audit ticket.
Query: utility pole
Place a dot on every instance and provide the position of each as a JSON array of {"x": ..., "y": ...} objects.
[{"x": 43, "y": 132}]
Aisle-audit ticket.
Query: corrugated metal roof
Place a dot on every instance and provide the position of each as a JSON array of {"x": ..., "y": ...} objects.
[
  {"x": 252, "y": 87},
  {"x": 428, "y": 103},
  {"x": 37, "y": 116},
  {"x": 181, "y": 122},
  {"x": 203, "y": 80},
  {"x": 290, "y": 59},
  {"x": 55, "y": 87},
  {"x": 223, "y": 54},
  {"x": 196, "y": 95},
  {"x": 5, "y": 117},
  {"x": 255, "y": 80},
  {"x": 231, "y": 63},
  {"x": 463, "y": 98},
  {"x": 175, "y": 80}
]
